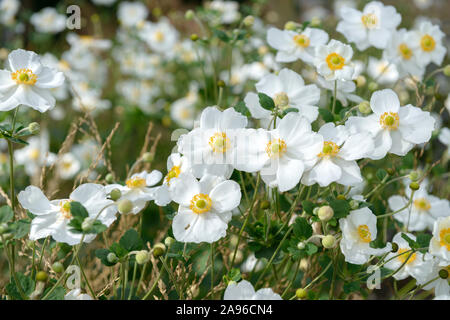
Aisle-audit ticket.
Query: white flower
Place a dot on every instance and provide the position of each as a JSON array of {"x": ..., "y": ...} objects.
[
  {"x": 87, "y": 42},
  {"x": 395, "y": 129},
  {"x": 281, "y": 154},
  {"x": 183, "y": 111},
  {"x": 34, "y": 155},
  {"x": 76, "y": 294},
  {"x": 430, "y": 46},
  {"x": 8, "y": 10},
  {"x": 48, "y": 20},
  {"x": 402, "y": 51},
  {"x": 371, "y": 27},
  {"x": 382, "y": 71},
  {"x": 292, "y": 46},
  {"x": 228, "y": 10},
  {"x": 130, "y": 14},
  {"x": 138, "y": 191},
  {"x": 444, "y": 138},
  {"x": 431, "y": 276},
  {"x": 440, "y": 243},
  {"x": 210, "y": 148},
  {"x": 161, "y": 37},
  {"x": 245, "y": 291},
  {"x": 28, "y": 82},
  {"x": 423, "y": 212},
  {"x": 67, "y": 166},
  {"x": 414, "y": 262},
  {"x": 333, "y": 61},
  {"x": 344, "y": 90},
  {"x": 176, "y": 164},
  {"x": 252, "y": 264},
  {"x": 288, "y": 90},
  {"x": 337, "y": 159},
  {"x": 52, "y": 217},
  {"x": 104, "y": 2},
  {"x": 205, "y": 207},
  {"x": 359, "y": 228}
]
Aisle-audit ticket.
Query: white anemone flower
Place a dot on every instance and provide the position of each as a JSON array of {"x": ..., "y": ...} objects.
[
  {"x": 52, "y": 217},
  {"x": 176, "y": 164},
  {"x": 8, "y": 11},
  {"x": 229, "y": 10},
  {"x": 86, "y": 42},
  {"x": 359, "y": 229},
  {"x": 183, "y": 110},
  {"x": 28, "y": 82},
  {"x": 139, "y": 190},
  {"x": 245, "y": 291},
  {"x": 210, "y": 148},
  {"x": 382, "y": 71},
  {"x": 131, "y": 14},
  {"x": 288, "y": 90},
  {"x": 161, "y": 36},
  {"x": 76, "y": 294},
  {"x": 423, "y": 212},
  {"x": 205, "y": 207},
  {"x": 371, "y": 27},
  {"x": 414, "y": 264},
  {"x": 431, "y": 48},
  {"x": 337, "y": 160},
  {"x": 48, "y": 20},
  {"x": 440, "y": 243},
  {"x": 333, "y": 61},
  {"x": 292, "y": 45},
  {"x": 344, "y": 90},
  {"x": 444, "y": 138},
  {"x": 395, "y": 129},
  {"x": 282, "y": 154},
  {"x": 67, "y": 166},
  {"x": 431, "y": 278}
]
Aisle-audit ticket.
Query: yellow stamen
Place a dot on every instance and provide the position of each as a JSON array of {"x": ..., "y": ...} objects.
[
  {"x": 24, "y": 76},
  {"x": 301, "y": 40},
  {"x": 64, "y": 208},
  {"x": 390, "y": 120},
  {"x": 159, "y": 36},
  {"x": 369, "y": 20},
  {"x": 136, "y": 182},
  {"x": 335, "y": 61},
  {"x": 34, "y": 154},
  {"x": 405, "y": 51},
  {"x": 276, "y": 148},
  {"x": 219, "y": 142},
  {"x": 364, "y": 233},
  {"x": 427, "y": 43},
  {"x": 201, "y": 203},
  {"x": 444, "y": 237},
  {"x": 330, "y": 149},
  {"x": 422, "y": 204},
  {"x": 173, "y": 173},
  {"x": 281, "y": 100},
  {"x": 410, "y": 256}
]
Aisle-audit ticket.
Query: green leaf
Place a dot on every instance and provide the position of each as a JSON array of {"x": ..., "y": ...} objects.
[
  {"x": 221, "y": 35},
  {"x": 6, "y": 214},
  {"x": 288, "y": 110},
  {"x": 340, "y": 207},
  {"x": 118, "y": 250},
  {"x": 311, "y": 248},
  {"x": 25, "y": 282},
  {"x": 326, "y": 115},
  {"x": 57, "y": 294},
  {"x": 381, "y": 174},
  {"x": 235, "y": 275},
  {"x": 350, "y": 287},
  {"x": 131, "y": 241},
  {"x": 413, "y": 244},
  {"x": 242, "y": 109},
  {"x": 97, "y": 227},
  {"x": 265, "y": 101},
  {"x": 302, "y": 229},
  {"x": 20, "y": 228},
  {"x": 102, "y": 254},
  {"x": 78, "y": 210},
  {"x": 308, "y": 206}
]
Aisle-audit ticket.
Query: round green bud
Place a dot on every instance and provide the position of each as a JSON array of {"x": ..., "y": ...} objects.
[
  {"x": 249, "y": 21},
  {"x": 264, "y": 205},
  {"x": 148, "y": 157},
  {"x": 142, "y": 257},
  {"x": 447, "y": 70},
  {"x": 354, "y": 204},
  {"x": 301, "y": 245},
  {"x": 221, "y": 83},
  {"x": 328, "y": 241},
  {"x": 34, "y": 128},
  {"x": 109, "y": 178},
  {"x": 443, "y": 274},
  {"x": 231, "y": 282},
  {"x": 414, "y": 175},
  {"x": 316, "y": 211},
  {"x": 115, "y": 194},
  {"x": 41, "y": 276},
  {"x": 301, "y": 293},
  {"x": 194, "y": 37},
  {"x": 394, "y": 247},
  {"x": 58, "y": 267},
  {"x": 125, "y": 206},
  {"x": 414, "y": 186},
  {"x": 341, "y": 197},
  {"x": 169, "y": 241},
  {"x": 373, "y": 86},
  {"x": 158, "y": 249},
  {"x": 189, "y": 15},
  {"x": 364, "y": 107},
  {"x": 315, "y": 22},
  {"x": 87, "y": 224},
  {"x": 360, "y": 81},
  {"x": 325, "y": 213},
  {"x": 112, "y": 257},
  {"x": 290, "y": 25},
  {"x": 390, "y": 171}
]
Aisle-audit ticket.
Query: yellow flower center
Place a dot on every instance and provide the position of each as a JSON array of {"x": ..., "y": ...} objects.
[
  {"x": 276, "y": 148},
  {"x": 444, "y": 237},
  {"x": 136, "y": 182},
  {"x": 411, "y": 256},
  {"x": 34, "y": 154},
  {"x": 201, "y": 203},
  {"x": 219, "y": 142},
  {"x": 173, "y": 173},
  {"x": 335, "y": 61},
  {"x": 64, "y": 208},
  {"x": 369, "y": 20},
  {"x": 159, "y": 36},
  {"x": 330, "y": 149},
  {"x": 281, "y": 100},
  {"x": 364, "y": 233},
  {"x": 405, "y": 51},
  {"x": 87, "y": 39},
  {"x": 301, "y": 40},
  {"x": 390, "y": 120},
  {"x": 24, "y": 76},
  {"x": 427, "y": 43},
  {"x": 422, "y": 204}
]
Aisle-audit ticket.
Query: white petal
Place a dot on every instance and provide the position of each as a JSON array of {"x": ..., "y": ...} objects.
[
  {"x": 226, "y": 196},
  {"x": 384, "y": 101},
  {"x": 34, "y": 200}
]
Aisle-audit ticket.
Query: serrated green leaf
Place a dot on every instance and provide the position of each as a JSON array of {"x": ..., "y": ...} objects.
[
  {"x": 302, "y": 229},
  {"x": 78, "y": 210},
  {"x": 265, "y": 101},
  {"x": 6, "y": 214},
  {"x": 131, "y": 241}
]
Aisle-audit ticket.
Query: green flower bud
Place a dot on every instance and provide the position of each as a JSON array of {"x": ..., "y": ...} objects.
[
  {"x": 360, "y": 81},
  {"x": 301, "y": 293},
  {"x": 58, "y": 267},
  {"x": 194, "y": 37},
  {"x": 87, "y": 224},
  {"x": 447, "y": 70},
  {"x": 325, "y": 213},
  {"x": 148, "y": 157},
  {"x": 301, "y": 245},
  {"x": 189, "y": 15},
  {"x": 41, "y": 276},
  {"x": 414, "y": 186},
  {"x": 109, "y": 178},
  {"x": 112, "y": 258},
  {"x": 316, "y": 211},
  {"x": 125, "y": 206},
  {"x": 169, "y": 241},
  {"x": 290, "y": 25},
  {"x": 373, "y": 86},
  {"x": 221, "y": 83},
  {"x": 443, "y": 274},
  {"x": 115, "y": 194},
  {"x": 232, "y": 282},
  {"x": 394, "y": 247},
  {"x": 159, "y": 249},
  {"x": 354, "y": 204},
  {"x": 364, "y": 107},
  {"x": 142, "y": 257},
  {"x": 264, "y": 205},
  {"x": 390, "y": 171},
  {"x": 414, "y": 175},
  {"x": 34, "y": 128},
  {"x": 315, "y": 22},
  {"x": 341, "y": 197},
  {"x": 249, "y": 21},
  {"x": 328, "y": 241}
]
